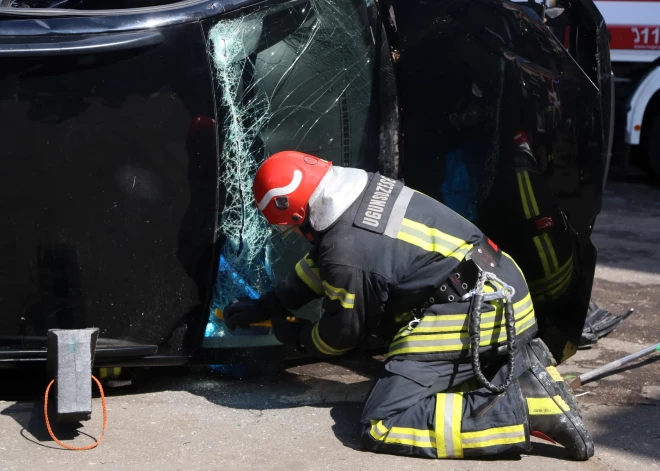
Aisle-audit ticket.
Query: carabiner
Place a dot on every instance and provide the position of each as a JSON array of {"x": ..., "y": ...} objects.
[
  {"x": 413, "y": 323},
  {"x": 505, "y": 292}
]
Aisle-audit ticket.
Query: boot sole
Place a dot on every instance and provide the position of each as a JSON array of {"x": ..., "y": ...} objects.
[{"x": 553, "y": 390}]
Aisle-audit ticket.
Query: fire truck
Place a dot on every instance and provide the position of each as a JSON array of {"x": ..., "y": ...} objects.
[{"x": 634, "y": 27}]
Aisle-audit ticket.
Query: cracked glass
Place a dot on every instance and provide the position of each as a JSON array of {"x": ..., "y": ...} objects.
[{"x": 296, "y": 76}]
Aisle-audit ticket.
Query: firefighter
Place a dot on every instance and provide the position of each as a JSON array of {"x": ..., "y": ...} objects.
[{"x": 465, "y": 375}]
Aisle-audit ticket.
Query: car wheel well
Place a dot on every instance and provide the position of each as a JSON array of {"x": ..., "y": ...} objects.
[
  {"x": 650, "y": 138},
  {"x": 652, "y": 110}
]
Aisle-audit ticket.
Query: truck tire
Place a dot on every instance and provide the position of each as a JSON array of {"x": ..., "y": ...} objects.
[{"x": 653, "y": 146}]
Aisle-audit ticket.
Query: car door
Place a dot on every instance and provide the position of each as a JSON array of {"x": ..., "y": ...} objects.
[{"x": 130, "y": 137}]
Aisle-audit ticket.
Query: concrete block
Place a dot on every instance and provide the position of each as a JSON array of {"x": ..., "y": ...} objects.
[{"x": 70, "y": 359}]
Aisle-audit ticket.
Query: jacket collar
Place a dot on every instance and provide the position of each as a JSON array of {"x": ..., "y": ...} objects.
[{"x": 336, "y": 193}]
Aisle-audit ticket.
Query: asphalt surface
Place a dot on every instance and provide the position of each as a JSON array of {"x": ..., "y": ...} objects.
[{"x": 305, "y": 418}]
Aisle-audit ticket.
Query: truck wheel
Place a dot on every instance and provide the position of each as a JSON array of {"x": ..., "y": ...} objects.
[{"x": 653, "y": 146}]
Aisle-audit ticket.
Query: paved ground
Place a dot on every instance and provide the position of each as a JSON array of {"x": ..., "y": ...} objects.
[{"x": 304, "y": 418}]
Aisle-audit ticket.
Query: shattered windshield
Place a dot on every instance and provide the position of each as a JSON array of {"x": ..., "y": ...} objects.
[
  {"x": 85, "y": 4},
  {"x": 298, "y": 76}
]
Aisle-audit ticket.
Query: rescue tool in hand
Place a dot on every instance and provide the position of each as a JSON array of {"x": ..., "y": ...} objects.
[
  {"x": 267, "y": 323},
  {"x": 245, "y": 312},
  {"x": 608, "y": 369},
  {"x": 220, "y": 315}
]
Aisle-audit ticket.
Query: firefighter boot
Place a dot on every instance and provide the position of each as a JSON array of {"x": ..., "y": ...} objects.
[
  {"x": 550, "y": 416},
  {"x": 540, "y": 350}
]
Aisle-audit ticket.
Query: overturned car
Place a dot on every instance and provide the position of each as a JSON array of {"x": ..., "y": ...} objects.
[{"x": 131, "y": 133}]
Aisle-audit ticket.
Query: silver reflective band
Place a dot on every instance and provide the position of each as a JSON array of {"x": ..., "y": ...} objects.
[
  {"x": 398, "y": 212},
  {"x": 494, "y": 437}
]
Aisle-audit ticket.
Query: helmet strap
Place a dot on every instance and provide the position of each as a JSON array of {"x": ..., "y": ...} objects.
[{"x": 306, "y": 227}]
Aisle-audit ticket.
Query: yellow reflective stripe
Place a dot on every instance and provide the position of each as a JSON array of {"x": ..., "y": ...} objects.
[
  {"x": 524, "y": 300},
  {"x": 433, "y": 240},
  {"x": 549, "y": 282},
  {"x": 309, "y": 275},
  {"x": 434, "y": 233},
  {"x": 554, "y": 373},
  {"x": 546, "y": 405},
  {"x": 520, "y": 308},
  {"x": 542, "y": 255},
  {"x": 527, "y": 197},
  {"x": 390, "y": 438},
  {"x": 440, "y": 447},
  {"x": 306, "y": 279},
  {"x": 381, "y": 428},
  {"x": 523, "y": 197},
  {"x": 557, "y": 291},
  {"x": 535, "y": 207},
  {"x": 453, "y": 342},
  {"x": 103, "y": 373},
  {"x": 310, "y": 263},
  {"x": 402, "y": 435},
  {"x": 496, "y": 441},
  {"x": 439, "y": 323},
  {"x": 456, "y": 420},
  {"x": 494, "y": 436},
  {"x": 562, "y": 403},
  {"x": 403, "y": 331},
  {"x": 345, "y": 298},
  {"x": 495, "y": 324},
  {"x": 553, "y": 256},
  {"x": 411, "y": 436},
  {"x": 457, "y": 335},
  {"x": 378, "y": 430},
  {"x": 459, "y": 253},
  {"x": 448, "y": 419},
  {"x": 116, "y": 370},
  {"x": 493, "y": 431},
  {"x": 323, "y": 347},
  {"x": 547, "y": 254}
]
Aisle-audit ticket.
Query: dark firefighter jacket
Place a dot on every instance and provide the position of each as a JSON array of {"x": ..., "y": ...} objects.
[{"x": 385, "y": 256}]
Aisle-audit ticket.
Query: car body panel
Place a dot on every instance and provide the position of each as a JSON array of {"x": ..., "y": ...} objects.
[{"x": 126, "y": 189}]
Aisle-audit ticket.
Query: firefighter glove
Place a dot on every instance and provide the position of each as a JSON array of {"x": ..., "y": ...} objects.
[{"x": 245, "y": 311}]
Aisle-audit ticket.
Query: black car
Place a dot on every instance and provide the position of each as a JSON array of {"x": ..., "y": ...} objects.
[{"x": 131, "y": 129}]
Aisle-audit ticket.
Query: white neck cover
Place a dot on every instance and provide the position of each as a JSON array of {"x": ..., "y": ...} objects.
[{"x": 337, "y": 191}]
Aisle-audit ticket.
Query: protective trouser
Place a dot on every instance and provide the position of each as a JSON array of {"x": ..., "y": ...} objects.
[{"x": 431, "y": 409}]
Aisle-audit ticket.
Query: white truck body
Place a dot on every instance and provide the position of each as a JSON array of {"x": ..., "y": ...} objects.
[{"x": 635, "y": 46}]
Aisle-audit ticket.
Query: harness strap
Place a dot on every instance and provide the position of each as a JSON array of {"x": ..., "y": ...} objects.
[{"x": 485, "y": 255}]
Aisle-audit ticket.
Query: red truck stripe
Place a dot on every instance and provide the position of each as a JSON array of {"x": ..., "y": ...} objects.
[{"x": 635, "y": 37}]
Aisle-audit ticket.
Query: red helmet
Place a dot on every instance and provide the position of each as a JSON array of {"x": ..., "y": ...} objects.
[{"x": 284, "y": 183}]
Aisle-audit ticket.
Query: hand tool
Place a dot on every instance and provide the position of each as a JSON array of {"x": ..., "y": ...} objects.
[
  {"x": 610, "y": 367},
  {"x": 219, "y": 314}
]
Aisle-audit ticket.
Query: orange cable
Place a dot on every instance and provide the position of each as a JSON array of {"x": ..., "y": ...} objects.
[{"x": 105, "y": 419}]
